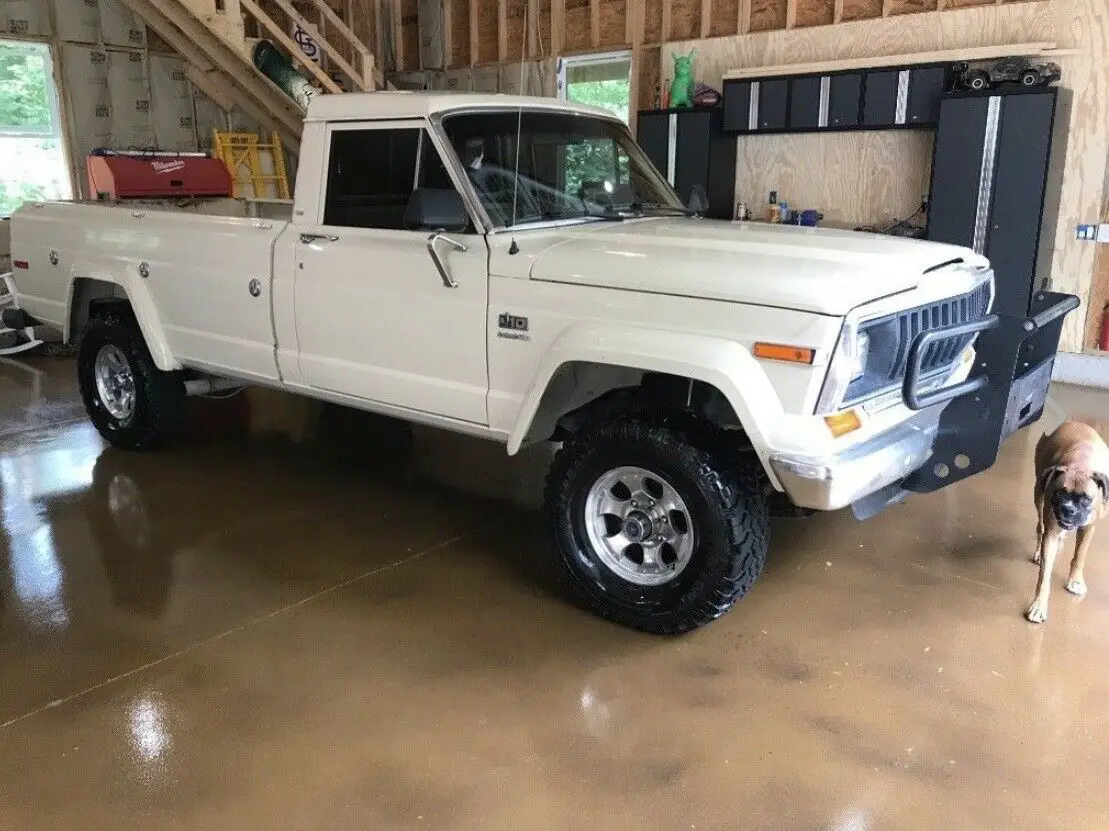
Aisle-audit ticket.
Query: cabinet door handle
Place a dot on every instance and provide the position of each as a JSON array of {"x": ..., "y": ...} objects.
[{"x": 310, "y": 238}]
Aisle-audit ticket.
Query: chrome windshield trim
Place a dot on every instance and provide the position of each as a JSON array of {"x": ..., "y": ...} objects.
[{"x": 469, "y": 193}]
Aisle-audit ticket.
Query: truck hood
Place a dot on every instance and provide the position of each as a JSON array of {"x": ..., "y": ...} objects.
[{"x": 819, "y": 270}]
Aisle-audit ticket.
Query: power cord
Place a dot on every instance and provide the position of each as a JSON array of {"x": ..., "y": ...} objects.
[{"x": 900, "y": 224}]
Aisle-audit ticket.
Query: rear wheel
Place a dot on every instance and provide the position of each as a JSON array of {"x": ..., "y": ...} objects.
[
  {"x": 977, "y": 79},
  {"x": 653, "y": 528},
  {"x": 133, "y": 404}
]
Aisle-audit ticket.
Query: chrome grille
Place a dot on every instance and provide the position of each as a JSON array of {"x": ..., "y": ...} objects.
[
  {"x": 892, "y": 336},
  {"x": 963, "y": 309}
]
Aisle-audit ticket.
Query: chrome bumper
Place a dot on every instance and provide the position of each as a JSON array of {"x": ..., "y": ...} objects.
[{"x": 829, "y": 483}]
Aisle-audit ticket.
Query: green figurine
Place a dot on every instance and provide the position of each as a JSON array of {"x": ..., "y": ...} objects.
[{"x": 681, "y": 91}]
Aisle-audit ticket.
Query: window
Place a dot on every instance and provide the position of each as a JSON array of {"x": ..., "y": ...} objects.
[
  {"x": 33, "y": 157},
  {"x": 371, "y": 175},
  {"x": 570, "y": 167},
  {"x": 602, "y": 80}
]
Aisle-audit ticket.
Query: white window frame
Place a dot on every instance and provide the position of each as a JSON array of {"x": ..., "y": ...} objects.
[
  {"x": 591, "y": 60},
  {"x": 57, "y": 129}
]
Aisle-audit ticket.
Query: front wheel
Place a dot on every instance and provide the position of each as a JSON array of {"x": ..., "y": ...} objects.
[
  {"x": 654, "y": 530},
  {"x": 132, "y": 403}
]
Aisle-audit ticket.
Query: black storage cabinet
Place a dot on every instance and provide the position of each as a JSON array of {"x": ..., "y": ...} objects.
[
  {"x": 996, "y": 179},
  {"x": 907, "y": 97},
  {"x": 702, "y": 154},
  {"x": 761, "y": 105}
]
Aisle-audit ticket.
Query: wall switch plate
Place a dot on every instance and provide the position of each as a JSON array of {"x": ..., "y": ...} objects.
[{"x": 1103, "y": 232}]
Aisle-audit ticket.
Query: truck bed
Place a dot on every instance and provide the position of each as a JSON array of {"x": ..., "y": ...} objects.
[{"x": 204, "y": 248}]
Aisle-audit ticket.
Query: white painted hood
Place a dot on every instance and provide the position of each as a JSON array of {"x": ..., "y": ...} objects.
[{"x": 818, "y": 270}]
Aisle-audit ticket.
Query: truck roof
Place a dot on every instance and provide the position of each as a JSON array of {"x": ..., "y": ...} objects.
[{"x": 358, "y": 106}]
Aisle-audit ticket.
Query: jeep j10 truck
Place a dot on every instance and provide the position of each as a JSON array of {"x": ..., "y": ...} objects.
[{"x": 515, "y": 269}]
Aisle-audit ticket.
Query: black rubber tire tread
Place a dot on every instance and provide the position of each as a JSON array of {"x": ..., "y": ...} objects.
[
  {"x": 728, "y": 487},
  {"x": 159, "y": 416}
]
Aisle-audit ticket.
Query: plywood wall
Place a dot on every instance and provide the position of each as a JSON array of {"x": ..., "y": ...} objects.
[
  {"x": 871, "y": 178},
  {"x": 863, "y": 184},
  {"x": 494, "y": 31}
]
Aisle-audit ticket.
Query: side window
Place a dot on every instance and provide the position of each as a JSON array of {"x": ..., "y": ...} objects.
[{"x": 370, "y": 177}]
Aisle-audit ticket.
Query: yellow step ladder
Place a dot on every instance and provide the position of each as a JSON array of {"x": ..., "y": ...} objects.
[{"x": 245, "y": 155}]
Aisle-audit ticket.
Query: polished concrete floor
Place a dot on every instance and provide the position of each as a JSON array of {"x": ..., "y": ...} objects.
[{"x": 243, "y": 634}]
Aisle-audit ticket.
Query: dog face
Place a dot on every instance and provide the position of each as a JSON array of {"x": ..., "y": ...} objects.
[{"x": 1075, "y": 495}]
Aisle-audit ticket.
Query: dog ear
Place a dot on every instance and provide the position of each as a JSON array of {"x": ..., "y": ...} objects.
[
  {"x": 1049, "y": 476},
  {"x": 1102, "y": 480}
]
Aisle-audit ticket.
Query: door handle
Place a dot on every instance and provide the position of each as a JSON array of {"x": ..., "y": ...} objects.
[
  {"x": 309, "y": 238},
  {"x": 448, "y": 281}
]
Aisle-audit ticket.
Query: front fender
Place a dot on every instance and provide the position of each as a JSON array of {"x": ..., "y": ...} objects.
[
  {"x": 724, "y": 364},
  {"x": 127, "y": 278}
]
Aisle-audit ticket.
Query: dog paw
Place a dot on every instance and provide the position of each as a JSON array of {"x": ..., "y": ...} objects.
[
  {"x": 1077, "y": 588},
  {"x": 1037, "y": 612}
]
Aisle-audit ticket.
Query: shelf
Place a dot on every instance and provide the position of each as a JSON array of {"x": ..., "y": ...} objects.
[{"x": 1043, "y": 48}]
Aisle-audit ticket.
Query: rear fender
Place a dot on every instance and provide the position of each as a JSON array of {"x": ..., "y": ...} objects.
[
  {"x": 726, "y": 365},
  {"x": 91, "y": 281}
]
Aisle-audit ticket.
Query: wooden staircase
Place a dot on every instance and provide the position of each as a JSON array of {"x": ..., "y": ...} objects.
[{"x": 211, "y": 35}]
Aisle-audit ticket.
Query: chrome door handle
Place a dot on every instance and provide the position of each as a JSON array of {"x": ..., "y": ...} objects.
[
  {"x": 309, "y": 238},
  {"x": 448, "y": 281}
]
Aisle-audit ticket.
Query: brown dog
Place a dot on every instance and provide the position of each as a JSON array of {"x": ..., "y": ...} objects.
[{"x": 1072, "y": 493}]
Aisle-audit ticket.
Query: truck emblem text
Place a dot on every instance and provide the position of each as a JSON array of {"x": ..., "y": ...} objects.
[{"x": 512, "y": 327}]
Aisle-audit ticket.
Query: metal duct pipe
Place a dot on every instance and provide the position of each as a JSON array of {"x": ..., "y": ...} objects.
[
  {"x": 208, "y": 386},
  {"x": 279, "y": 69}
]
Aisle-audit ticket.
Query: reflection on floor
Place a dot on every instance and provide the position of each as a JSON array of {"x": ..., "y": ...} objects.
[{"x": 244, "y": 633}]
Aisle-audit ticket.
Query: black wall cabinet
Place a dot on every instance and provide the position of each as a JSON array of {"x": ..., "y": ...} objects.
[
  {"x": 904, "y": 97},
  {"x": 996, "y": 178},
  {"x": 773, "y": 100},
  {"x": 689, "y": 147},
  {"x": 737, "y": 107},
  {"x": 805, "y": 98},
  {"x": 880, "y": 98},
  {"x": 844, "y": 98},
  {"x": 884, "y": 98},
  {"x": 753, "y": 106}
]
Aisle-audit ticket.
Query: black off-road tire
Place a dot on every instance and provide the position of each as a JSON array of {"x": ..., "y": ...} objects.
[
  {"x": 158, "y": 416},
  {"x": 724, "y": 492}
]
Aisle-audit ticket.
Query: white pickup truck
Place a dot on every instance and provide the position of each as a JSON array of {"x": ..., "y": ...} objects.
[{"x": 515, "y": 268}]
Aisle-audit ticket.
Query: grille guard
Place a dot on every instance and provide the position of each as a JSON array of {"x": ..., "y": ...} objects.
[{"x": 1006, "y": 391}]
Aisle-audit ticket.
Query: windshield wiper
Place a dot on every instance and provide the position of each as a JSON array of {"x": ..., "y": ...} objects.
[
  {"x": 639, "y": 210},
  {"x": 655, "y": 209}
]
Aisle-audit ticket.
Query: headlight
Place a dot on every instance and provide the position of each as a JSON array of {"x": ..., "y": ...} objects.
[
  {"x": 862, "y": 353},
  {"x": 844, "y": 367}
]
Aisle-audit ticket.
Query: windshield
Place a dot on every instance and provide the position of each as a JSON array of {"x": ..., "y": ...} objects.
[{"x": 571, "y": 166}]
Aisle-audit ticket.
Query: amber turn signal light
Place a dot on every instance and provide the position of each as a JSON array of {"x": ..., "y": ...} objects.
[
  {"x": 842, "y": 423},
  {"x": 781, "y": 352}
]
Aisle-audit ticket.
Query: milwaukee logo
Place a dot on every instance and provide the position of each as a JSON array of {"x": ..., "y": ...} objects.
[{"x": 167, "y": 167}]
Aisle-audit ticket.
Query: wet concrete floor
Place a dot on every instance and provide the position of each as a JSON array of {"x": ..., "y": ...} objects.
[{"x": 245, "y": 634}]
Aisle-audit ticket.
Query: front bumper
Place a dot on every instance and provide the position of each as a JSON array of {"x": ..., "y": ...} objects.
[
  {"x": 958, "y": 430},
  {"x": 829, "y": 483}
]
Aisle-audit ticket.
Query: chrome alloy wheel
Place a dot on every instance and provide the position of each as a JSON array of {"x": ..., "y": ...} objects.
[
  {"x": 115, "y": 382},
  {"x": 639, "y": 526}
]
